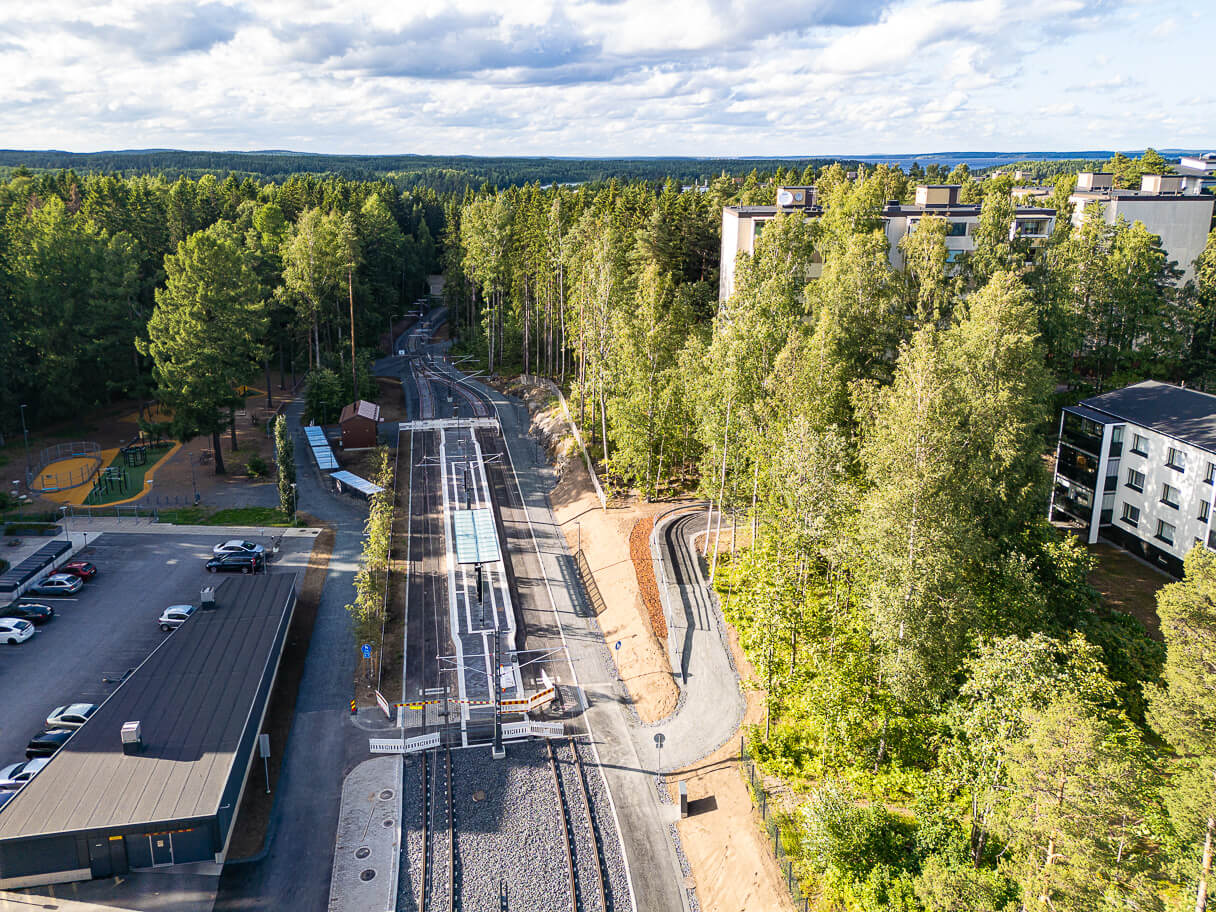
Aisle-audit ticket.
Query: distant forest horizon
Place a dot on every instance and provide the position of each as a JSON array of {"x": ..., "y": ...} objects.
[{"x": 451, "y": 172}]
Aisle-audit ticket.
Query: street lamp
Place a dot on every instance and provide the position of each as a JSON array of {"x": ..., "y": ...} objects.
[
  {"x": 579, "y": 526},
  {"x": 392, "y": 343},
  {"x": 293, "y": 503},
  {"x": 26, "y": 434}
]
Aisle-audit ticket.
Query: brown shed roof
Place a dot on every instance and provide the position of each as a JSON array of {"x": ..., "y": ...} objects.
[{"x": 360, "y": 409}]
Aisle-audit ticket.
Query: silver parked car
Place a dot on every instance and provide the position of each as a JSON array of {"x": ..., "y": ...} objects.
[{"x": 174, "y": 616}]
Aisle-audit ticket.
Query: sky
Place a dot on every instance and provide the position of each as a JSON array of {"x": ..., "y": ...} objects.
[{"x": 606, "y": 77}]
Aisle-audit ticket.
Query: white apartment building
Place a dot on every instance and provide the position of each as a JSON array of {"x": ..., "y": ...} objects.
[
  {"x": 743, "y": 225},
  {"x": 1137, "y": 466},
  {"x": 1171, "y": 206}
]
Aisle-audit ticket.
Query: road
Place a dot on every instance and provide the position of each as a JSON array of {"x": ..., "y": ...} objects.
[{"x": 322, "y": 745}]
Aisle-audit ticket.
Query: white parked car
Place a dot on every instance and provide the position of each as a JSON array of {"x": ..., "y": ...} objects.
[
  {"x": 174, "y": 616},
  {"x": 237, "y": 546},
  {"x": 73, "y": 715},
  {"x": 16, "y": 775},
  {"x": 15, "y": 630}
]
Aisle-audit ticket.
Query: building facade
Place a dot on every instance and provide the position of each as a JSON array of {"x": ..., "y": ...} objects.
[
  {"x": 1172, "y": 206},
  {"x": 1137, "y": 466},
  {"x": 743, "y": 225}
]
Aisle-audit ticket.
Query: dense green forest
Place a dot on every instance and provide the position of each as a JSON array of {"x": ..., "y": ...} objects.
[
  {"x": 968, "y": 726},
  {"x": 183, "y": 290}
]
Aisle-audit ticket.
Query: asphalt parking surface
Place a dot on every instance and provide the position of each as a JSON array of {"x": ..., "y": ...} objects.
[{"x": 110, "y": 626}]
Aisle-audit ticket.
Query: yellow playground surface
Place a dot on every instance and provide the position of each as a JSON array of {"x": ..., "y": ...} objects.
[{"x": 58, "y": 472}]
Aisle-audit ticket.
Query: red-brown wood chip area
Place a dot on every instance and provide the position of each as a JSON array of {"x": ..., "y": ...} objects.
[{"x": 639, "y": 550}]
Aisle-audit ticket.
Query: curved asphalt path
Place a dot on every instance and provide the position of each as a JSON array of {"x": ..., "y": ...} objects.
[{"x": 711, "y": 703}]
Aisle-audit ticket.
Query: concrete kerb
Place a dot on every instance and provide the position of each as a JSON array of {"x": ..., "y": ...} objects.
[
  {"x": 656, "y": 557},
  {"x": 367, "y": 854}
]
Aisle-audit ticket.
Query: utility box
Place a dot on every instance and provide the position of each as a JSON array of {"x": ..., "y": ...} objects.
[
  {"x": 683, "y": 798},
  {"x": 132, "y": 738},
  {"x": 207, "y": 599}
]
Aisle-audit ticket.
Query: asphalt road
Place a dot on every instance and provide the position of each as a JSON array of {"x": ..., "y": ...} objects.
[
  {"x": 322, "y": 746},
  {"x": 106, "y": 629}
]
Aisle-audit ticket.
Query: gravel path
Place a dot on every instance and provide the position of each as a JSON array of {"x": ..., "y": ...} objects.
[{"x": 509, "y": 834}]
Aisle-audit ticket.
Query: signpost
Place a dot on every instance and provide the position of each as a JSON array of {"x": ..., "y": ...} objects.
[
  {"x": 659, "y": 738},
  {"x": 264, "y": 753},
  {"x": 367, "y": 659}
]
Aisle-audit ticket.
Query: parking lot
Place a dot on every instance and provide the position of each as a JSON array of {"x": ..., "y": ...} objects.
[{"x": 109, "y": 627}]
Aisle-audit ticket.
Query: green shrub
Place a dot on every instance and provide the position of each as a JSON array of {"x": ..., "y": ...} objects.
[{"x": 257, "y": 467}]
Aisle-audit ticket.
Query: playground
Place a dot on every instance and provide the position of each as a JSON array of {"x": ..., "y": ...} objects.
[{"x": 112, "y": 476}]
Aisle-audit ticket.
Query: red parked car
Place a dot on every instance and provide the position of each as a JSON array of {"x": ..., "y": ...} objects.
[{"x": 84, "y": 569}]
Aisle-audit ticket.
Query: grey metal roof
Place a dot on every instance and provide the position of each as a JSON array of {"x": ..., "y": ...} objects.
[
  {"x": 193, "y": 696},
  {"x": 1184, "y": 414}
]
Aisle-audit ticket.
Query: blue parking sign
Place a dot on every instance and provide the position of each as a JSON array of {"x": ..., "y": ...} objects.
[{"x": 367, "y": 650}]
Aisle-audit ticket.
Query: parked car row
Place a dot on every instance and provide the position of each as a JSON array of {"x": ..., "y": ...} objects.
[
  {"x": 19, "y": 620},
  {"x": 61, "y": 724}
]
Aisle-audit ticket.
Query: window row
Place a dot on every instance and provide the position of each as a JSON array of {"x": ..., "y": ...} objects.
[{"x": 1174, "y": 457}]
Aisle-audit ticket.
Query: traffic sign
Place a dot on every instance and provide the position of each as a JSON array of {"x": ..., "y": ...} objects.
[
  {"x": 659, "y": 738},
  {"x": 617, "y": 645},
  {"x": 367, "y": 650}
]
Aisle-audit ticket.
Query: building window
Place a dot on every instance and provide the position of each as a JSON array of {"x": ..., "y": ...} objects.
[
  {"x": 1131, "y": 515},
  {"x": 1175, "y": 459},
  {"x": 1165, "y": 532},
  {"x": 1116, "y": 441},
  {"x": 1169, "y": 496},
  {"x": 1139, "y": 445},
  {"x": 1205, "y": 507},
  {"x": 1210, "y": 477},
  {"x": 956, "y": 229},
  {"x": 1135, "y": 480}
]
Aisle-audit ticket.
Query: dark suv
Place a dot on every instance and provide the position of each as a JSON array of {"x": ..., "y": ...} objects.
[
  {"x": 237, "y": 563},
  {"x": 46, "y": 743},
  {"x": 29, "y": 611}
]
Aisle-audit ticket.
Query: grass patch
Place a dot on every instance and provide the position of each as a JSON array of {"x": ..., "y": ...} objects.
[
  {"x": 234, "y": 516},
  {"x": 134, "y": 477}
]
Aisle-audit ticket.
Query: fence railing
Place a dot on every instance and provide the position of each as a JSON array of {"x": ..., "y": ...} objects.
[
  {"x": 762, "y": 802},
  {"x": 74, "y": 478}
]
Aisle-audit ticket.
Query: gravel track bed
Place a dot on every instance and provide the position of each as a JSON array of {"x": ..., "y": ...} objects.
[
  {"x": 411, "y": 834},
  {"x": 437, "y": 834},
  {"x": 514, "y": 837},
  {"x": 616, "y": 886},
  {"x": 585, "y": 860}
]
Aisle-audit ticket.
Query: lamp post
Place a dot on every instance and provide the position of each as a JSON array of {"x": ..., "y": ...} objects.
[
  {"x": 392, "y": 342},
  {"x": 26, "y": 435},
  {"x": 293, "y": 503},
  {"x": 579, "y": 526}
]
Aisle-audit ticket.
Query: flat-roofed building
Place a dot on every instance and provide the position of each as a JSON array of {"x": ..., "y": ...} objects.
[
  {"x": 1137, "y": 466},
  {"x": 1169, "y": 205},
  {"x": 742, "y": 226},
  {"x": 156, "y": 775}
]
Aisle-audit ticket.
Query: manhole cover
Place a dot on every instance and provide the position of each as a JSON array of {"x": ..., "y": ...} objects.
[
  {"x": 386, "y": 794},
  {"x": 388, "y": 823},
  {"x": 479, "y": 795},
  {"x": 362, "y": 852},
  {"x": 367, "y": 874}
]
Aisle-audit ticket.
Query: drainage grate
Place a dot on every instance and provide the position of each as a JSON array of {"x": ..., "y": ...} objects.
[
  {"x": 368, "y": 874},
  {"x": 362, "y": 852},
  {"x": 386, "y": 794},
  {"x": 389, "y": 822}
]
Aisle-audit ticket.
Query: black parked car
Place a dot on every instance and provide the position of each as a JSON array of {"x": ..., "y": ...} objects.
[
  {"x": 236, "y": 563},
  {"x": 45, "y": 743},
  {"x": 29, "y": 611}
]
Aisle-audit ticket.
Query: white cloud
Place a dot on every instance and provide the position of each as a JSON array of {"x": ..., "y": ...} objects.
[{"x": 603, "y": 77}]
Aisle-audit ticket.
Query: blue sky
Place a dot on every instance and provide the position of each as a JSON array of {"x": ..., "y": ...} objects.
[{"x": 606, "y": 77}]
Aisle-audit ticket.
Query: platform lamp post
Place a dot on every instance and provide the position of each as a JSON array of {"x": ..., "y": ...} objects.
[
  {"x": 25, "y": 433},
  {"x": 294, "y": 497},
  {"x": 392, "y": 346}
]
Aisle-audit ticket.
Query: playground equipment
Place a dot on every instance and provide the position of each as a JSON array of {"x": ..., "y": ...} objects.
[{"x": 66, "y": 465}]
